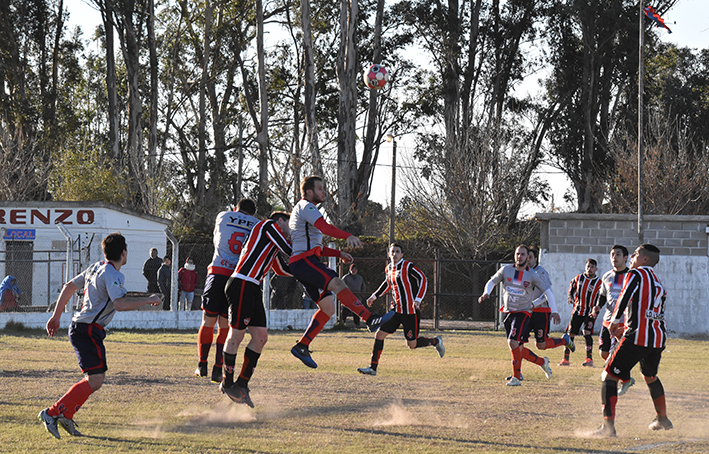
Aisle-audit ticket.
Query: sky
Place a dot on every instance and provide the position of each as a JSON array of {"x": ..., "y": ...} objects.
[{"x": 689, "y": 21}]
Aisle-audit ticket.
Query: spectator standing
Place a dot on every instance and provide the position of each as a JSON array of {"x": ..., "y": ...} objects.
[
  {"x": 150, "y": 271},
  {"x": 165, "y": 282},
  {"x": 356, "y": 283},
  {"x": 187, "y": 280}
]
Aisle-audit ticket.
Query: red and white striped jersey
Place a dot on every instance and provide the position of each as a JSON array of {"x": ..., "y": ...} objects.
[
  {"x": 260, "y": 253},
  {"x": 583, "y": 291},
  {"x": 408, "y": 285},
  {"x": 643, "y": 301}
]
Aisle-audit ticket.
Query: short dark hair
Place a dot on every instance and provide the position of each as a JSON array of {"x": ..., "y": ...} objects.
[
  {"x": 526, "y": 248},
  {"x": 167, "y": 257},
  {"x": 621, "y": 248},
  {"x": 651, "y": 251},
  {"x": 592, "y": 262},
  {"x": 397, "y": 245},
  {"x": 308, "y": 183},
  {"x": 113, "y": 246},
  {"x": 353, "y": 267},
  {"x": 534, "y": 251},
  {"x": 246, "y": 206},
  {"x": 276, "y": 215}
]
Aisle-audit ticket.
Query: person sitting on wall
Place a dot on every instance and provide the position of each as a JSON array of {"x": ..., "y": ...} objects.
[{"x": 10, "y": 293}]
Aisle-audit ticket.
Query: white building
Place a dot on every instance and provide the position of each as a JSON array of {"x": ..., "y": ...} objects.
[{"x": 36, "y": 235}]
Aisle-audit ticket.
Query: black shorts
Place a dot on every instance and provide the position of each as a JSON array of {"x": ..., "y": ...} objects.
[
  {"x": 627, "y": 355},
  {"x": 605, "y": 340},
  {"x": 539, "y": 324},
  {"x": 410, "y": 322},
  {"x": 214, "y": 301},
  {"x": 579, "y": 323},
  {"x": 245, "y": 304},
  {"x": 87, "y": 340},
  {"x": 517, "y": 325}
]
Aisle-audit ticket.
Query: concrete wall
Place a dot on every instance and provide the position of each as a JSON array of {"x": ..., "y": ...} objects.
[
  {"x": 568, "y": 239},
  {"x": 296, "y": 319}
]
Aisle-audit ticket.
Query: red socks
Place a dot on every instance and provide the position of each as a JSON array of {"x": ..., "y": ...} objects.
[
  {"x": 204, "y": 342},
  {"x": 72, "y": 400},
  {"x": 350, "y": 301},
  {"x": 316, "y": 325}
]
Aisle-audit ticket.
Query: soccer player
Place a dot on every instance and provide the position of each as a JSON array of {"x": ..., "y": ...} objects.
[
  {"x": 307, "y": 227},
  {"x": 519, "y": 282},
  {"x": 243, "y": 292},
  {"x": 611, "y": 285},
  {"x": 583, "y": 291},
  {"x": 408, "y": 286},
  {"x": 231, "y": 231},
  {"x": 643, "y": 301},
  {"x": 543, "y": 314},
  {"x": 104, "y": 294}
]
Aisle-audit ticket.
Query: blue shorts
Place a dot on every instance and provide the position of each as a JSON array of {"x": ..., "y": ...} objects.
[
  {"x": 87, "y": 340},
  {"x": 539, "y": 325},
  {"x": 245, "y": 304},
  {"x": 214, "y": 302},
  {"x": 517, "y": 325},
  {"x": 314, "y": 275}
]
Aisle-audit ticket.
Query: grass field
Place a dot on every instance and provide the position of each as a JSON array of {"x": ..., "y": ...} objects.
[{"x": 418, "y": 403}]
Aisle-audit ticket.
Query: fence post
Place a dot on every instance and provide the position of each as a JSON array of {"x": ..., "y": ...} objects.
[
  {"x": 173, "y": 275},
  {"x": 68, "y": 276},
  {"x": 436, "y": 289}
]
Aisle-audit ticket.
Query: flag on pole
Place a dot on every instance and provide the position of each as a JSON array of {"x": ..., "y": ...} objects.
[{"x": 659, "y": 22}]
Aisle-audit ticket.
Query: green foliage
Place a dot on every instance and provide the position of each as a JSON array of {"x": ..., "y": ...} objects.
[{"x": 86, "y": 175}]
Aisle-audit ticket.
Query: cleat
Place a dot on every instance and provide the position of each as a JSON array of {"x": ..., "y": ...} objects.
[
  {"x": 237, "y": 394},
  {"x": 50, "y": 423},
  {"x": 545, "y": 367},
  {"x": 69, "y": 425},
  {"x": 439, "y": 347},
  {"x": 625, "y": 386},
  {"x": 605, "y": 431},
  {"x": 514, "y": 381},
  {"x": 201, "y": 370},
  {"x": 301, "y": 352},
  {"x": 660, "y": 423},
  {"x": 569, "y": 342},
  {"x": 521, "y": 377},
  {"x": 564, "y": 362},
  {"x": 375, "y": 321},
  {"x": 367, "y": 370},
  {"x": 588, "y": 362},
  {"x": 217, "y": 374}
]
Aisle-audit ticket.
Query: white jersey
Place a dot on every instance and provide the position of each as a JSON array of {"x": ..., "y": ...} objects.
[
  {"x": 303, "y": 233},
  {"x": 518, "y": 287},
  {"x": 102, "y": 285},
  {"x": 544, "y": 276},
  {"x": 231, "y": 231},
  {"x": 611, "y": 285}
]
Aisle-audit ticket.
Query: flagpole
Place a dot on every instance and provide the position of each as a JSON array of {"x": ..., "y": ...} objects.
[{"x": 641, "y": 83}]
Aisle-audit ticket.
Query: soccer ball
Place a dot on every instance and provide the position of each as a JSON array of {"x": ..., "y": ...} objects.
[{"x": 375, "y": 77}]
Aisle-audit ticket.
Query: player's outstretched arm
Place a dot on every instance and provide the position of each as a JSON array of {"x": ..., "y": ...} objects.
[{"x": 128, "y": 303}]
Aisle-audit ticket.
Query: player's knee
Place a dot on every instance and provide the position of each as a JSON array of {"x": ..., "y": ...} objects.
[
  {"x": 411, "y": 344},
  {"x": 541, "y": 345},
  {"x": 95, "y": 381}
]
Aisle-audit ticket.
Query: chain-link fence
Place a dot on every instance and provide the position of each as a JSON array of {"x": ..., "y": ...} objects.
[
  {"x": 39, "y": 274},
  {"x": 454, "y": 287}
]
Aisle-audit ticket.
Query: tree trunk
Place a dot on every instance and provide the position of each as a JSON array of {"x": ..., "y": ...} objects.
[
  {"x": 153, "y": 170},
  {"x": 346, "y": 155},
  {"x": 262, "y": 134},
  {"x": 311, "y": 126}
]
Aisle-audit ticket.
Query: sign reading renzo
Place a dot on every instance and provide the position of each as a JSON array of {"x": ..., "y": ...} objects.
[{"x": 34, "y": 216}]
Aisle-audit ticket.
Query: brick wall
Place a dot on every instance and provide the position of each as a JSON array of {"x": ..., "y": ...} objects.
[{"x": 568, "y": 239}]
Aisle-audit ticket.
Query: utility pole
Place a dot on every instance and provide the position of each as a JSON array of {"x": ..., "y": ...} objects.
[
  {"x": 392, "y": 215},
  {"x": 641, "y": 85}
]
